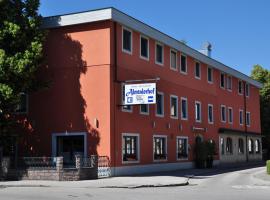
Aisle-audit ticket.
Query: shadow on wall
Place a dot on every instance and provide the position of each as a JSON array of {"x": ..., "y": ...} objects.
[{"x": 61, "y": 108}]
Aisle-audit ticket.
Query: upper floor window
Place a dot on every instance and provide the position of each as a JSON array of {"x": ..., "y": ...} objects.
[
  {"x": 184, "y": 108},
  {"x": 210, "y": 114},
  {"x": 174, "y": 106},
  {"x": 144, "y": 109},
  {"x": 197, "y": 70},
  {"x": 159, "y": 54},
  {"x": 241, "y": 117},
  {"x": 144, "y": 48},
  {"x": 130, "y": 143},
  {"x": 127, "y": 40},
  {"x": 160, "y": 147},
  {"x": 240, "y": 87},
  {"x": 198, "y": 114},
  {"x": 247, "y": 90},
  {"x": 160, "y": 104},
  {"x": 22, "y": 106},
  {"x": 222, "y": 80},
  {"x": 183, "y": 64},
  {"x": 209, "y": 75},
  {"x": 173, "y": 60},
  {"x": 223, "y": 113},
  {"x": 230, "y": 115},
  {"x": 229, "y": 82},
  {"x": 248, "y": 118},
  {"x": 182, "y": 147}
]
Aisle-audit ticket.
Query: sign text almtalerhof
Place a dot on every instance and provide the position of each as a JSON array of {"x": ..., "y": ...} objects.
[{"x": 140, "y": 94}]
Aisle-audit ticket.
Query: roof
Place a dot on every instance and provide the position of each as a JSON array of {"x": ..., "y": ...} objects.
[{"x": 128, "y": 21}]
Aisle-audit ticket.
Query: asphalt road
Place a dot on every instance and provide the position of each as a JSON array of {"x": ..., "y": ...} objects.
[{"x": 220, "y": 185}]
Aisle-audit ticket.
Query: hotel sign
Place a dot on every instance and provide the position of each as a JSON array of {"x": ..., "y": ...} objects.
[{"x": 140, "y": 94}]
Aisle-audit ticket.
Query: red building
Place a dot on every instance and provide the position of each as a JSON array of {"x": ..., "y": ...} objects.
[{"x": 90, "y": 55}]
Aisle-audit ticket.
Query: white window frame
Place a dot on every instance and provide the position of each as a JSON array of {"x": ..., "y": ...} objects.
[
  {"x": 242, "y": 89},
  {"x": 138, "y": 147},
  {"x": 222, "y": 87},
  {"x": 210, "y": 105},
  {"x": 122, "y": 106},
  {"x": 248, "y": 114},
  {"x": 186, "y": 118},
  {"x": 247, "y": 93},
  {"x": 176, "y": 97},
  {"x": 198, "y": 102},
  {"x": 157, "y": 62},
  {"x": 212, "y": 74},
  {"x": 183, "y": 72},
  {"x": 230, "y": 122},
  {"x": 225, "y": 114},
  {"x": 131, "y": 40},
  {"x": 241, "y": 113},
  {"x": 162, "y": 105},
  {"x": 145, "y": 113},
  {"x": 182, "y": 137},
  {"x": 229, "y": 76},
  {"x": 173, "y": 50},
  {"x": 197, "y": 77},
  {"x": 166, "y": 145},
  {"x": 141, "y": 56}
]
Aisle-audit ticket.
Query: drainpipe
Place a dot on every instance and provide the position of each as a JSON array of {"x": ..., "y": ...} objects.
[{"x": 245, "y": 123}]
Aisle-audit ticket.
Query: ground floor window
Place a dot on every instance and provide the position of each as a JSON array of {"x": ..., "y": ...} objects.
[
  {"x": 229, "y": 146},
  {"x": 257, "y": 146},
  {"x": 250, "y": 146},
  {"x": 130, "y": 147},
  {"x": 222, "y": 146},
  {"x": 182, "y": 148},
  {"x": 160, "y": 147},
  {"x": 240, "y": 146}
]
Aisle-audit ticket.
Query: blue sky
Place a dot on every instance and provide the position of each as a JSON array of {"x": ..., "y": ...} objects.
[{"x": 239, "y": 30}]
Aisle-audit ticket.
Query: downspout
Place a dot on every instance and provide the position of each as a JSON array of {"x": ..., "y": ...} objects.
[{"x": 244, "y": 116}]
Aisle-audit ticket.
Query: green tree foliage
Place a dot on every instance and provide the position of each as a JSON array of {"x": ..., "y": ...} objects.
[
  {"x": 263, "y": 75},
  {"x": 21, "y": 42}
]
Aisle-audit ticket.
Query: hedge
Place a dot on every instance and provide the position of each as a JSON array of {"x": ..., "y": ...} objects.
[{"x": 268, "y": 166}]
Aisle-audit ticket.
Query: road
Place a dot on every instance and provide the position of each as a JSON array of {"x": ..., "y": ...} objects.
[{"x": 221, "y": 185}]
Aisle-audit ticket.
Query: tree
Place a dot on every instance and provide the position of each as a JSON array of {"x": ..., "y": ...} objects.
[
  {"x": 21, "y": 42},
  {"x": 263, "y": 75}
]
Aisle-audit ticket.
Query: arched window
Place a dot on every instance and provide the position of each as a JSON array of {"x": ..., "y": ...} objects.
[
  {"x": 229, "y": 146},
  {"x": 250, "y": 146},
  {"x": 257, "y": 146},
  {"x": 240, "y": 146}
]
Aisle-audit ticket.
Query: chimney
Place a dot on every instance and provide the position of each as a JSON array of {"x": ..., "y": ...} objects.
[{"x": 206, "y": 49}]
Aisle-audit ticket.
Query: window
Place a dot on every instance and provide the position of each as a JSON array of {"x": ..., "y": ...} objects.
[
  {"x": 248, "y": 118},
  {"x": 182, "y": 147},
  {"x": 229, "y": 82},
  {"x": 184, "y": 108},
  {"x": 230, "y": 115},
  {"x": 144, "y": 109},
  {"x": 210, "y": 114},
  {"x": 160, "y": 104},
  {"x": 125, "y": 108},
  {"x": 159, "y": 54},
  {"x": 130, "y": 145},
  {"x": 197, "y": 70},
  {"x": 127, "y": 41},
  {"x": 144, "y": 48},
  {"x": 210, "y": 75},
  {"x": 241, "y": 117},
  {"x": 257, "y": 146},
  {"x": 183, "y": 67},
  {"x": 160, "y": 147},
  {"x": 173, "y": 60},
  {"x": 240, "y": 87},
  {"x": 229, "y": 146},
  {"x": 250, "y": 146},
  {"x": 247, "y": 90},
  {"x": 22, "y": 107},
  {"x": 240, "y": 146},
  {"x": 222, "y": 146},
  {"x": 198, "y": 111},
  {"x": 222, "y": 80},
  {"x": 174, "y": 106},
  {"x": 223, "y": 113}
]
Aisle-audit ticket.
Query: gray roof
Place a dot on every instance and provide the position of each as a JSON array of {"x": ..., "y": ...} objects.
[{"x": 128, "y": 21}]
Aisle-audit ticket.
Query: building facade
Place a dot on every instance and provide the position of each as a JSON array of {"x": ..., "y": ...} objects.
[{"x": 90, "y": 56}]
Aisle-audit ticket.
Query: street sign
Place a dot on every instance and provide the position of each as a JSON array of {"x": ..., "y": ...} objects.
[{"x": 144, "y": 93}]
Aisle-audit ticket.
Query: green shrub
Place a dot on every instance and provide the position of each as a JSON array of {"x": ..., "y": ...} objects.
[{"x": 268, "y": 166}]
